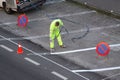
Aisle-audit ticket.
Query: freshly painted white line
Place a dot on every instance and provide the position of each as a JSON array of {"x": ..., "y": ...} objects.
[
  {"x": 82, "y": 50},
  {"x": 114, "y": 45},
  {"x": 6, "y": 48},
  {"x": 8, "y": 23},
  {"x": 59, "y": 75},
  {"x": 75, "y": 31},
  {"x": 111, "y": 76},
  {"x": 45, "y": 58},
  {"x": 73, "y": 51},
  {"x": 32, "y": 61},
  {"x": 98, "y": 70},
  {"x": 39, "y": 19}
]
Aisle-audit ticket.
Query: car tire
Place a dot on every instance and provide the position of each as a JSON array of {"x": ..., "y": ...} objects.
[{"x": 6, "y": 9}]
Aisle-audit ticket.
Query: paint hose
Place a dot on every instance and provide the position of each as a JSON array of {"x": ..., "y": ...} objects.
[
  {"x": 80, "y": 37},
  {"x": 74, "y": 38}
]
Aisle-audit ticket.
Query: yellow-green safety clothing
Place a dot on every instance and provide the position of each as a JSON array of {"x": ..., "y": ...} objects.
[{"x": 55, "y": 32}]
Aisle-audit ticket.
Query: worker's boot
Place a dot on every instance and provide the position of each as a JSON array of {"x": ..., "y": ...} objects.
[
  {"x": 63, "y": 46},
  {"x": 52, "y": 50}
]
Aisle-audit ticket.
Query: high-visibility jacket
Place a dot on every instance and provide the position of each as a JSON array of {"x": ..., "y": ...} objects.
[{"x": 55, "y": 30}]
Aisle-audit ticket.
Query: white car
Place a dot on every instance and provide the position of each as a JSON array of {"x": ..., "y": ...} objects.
[
  {"x": 1, "y": 3},
  {"x": 20, "y": 5}
]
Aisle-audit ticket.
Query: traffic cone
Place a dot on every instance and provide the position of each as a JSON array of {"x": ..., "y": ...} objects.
[{"x": 20, "y": 50}]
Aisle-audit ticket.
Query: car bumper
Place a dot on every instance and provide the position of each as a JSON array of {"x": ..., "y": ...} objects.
[{"x": 30, "y": 5}]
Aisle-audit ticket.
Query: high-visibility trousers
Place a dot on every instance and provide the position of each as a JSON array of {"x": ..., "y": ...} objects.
[{"x": 59, "y": 39}]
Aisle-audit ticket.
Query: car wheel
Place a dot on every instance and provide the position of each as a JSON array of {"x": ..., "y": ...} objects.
[{"x": 7, "y": 9}]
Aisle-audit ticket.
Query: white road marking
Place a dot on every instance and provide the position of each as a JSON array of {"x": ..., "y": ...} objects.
[
  {"x": 98, "y": 70},
  {"x": 75, "y": 14},
  {"x": 59, "y": 75},
  {"x": 8, "y": 23},
  {"x": 39, "y": 19},
  {"x": 75, "y": 31},
  {"x": 23, "y": 38},
  {"x": 66, "y": 15},
  {"x": 73, "y": 51},
  {"x": 96, "y": 28},
  {"x": 114, "y": 45},
  {"x": 6, "y": 48},
  {"x": 32, "y": 61},
  {"x": 52, "y": 2},
  {"x": 82, "y": 50},
  {"x": 45, "y": 58},
  {"x": 30, "y": 54},
  {"x": 111, "y": 76},
  {"x": 115, "y": 49}
]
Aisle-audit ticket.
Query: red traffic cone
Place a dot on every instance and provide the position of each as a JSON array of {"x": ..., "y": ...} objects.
[{"x": 20, "y": 50}]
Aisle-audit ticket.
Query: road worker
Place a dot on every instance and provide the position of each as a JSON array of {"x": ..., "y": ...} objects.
[{"x": 55, "y": 33}]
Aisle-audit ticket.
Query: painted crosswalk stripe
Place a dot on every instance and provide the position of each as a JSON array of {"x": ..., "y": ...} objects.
[
  {"x": 32, "y": 61},
  {"x": 59, "y": 75},
  {"x": 6, "y": 48}
]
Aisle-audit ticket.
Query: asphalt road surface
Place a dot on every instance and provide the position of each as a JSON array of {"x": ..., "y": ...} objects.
[
  {"x": 30, "y": 66},
  {"x": 25, "y": 67},
  {"x": 111, "y": 6},
  {"x": 102, "y": 28}
]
